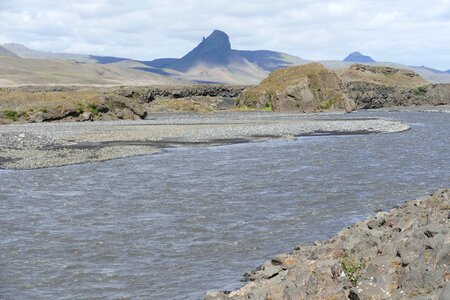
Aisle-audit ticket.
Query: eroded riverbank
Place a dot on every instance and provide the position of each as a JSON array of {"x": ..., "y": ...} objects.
[{"x": 30, "y": 146}]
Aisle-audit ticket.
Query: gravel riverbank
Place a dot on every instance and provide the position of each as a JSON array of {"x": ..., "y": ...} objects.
[
  {"x": 400, "y": 254},
  {"x": 30, "y": 146}
]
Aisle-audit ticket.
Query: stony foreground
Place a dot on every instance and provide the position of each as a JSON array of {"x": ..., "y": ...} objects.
[
  {"x": 400, "y": 254},
  {"x": 29, "y": 146}
]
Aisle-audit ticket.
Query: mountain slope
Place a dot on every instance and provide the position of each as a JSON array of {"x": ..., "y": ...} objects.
[
  {"x": 357, "y": 57},
  {"x": 16, "y": 71},
  {"x": 25, "y": 52},
  {"x": 213, "y": 61},
  {"x": 5, "y": 52}
]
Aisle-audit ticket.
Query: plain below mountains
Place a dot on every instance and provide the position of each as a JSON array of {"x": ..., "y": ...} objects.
[{"x": 212, "y": 61}]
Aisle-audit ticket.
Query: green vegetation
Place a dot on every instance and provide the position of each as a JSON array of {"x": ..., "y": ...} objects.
[
  {"x": 352, "y": 268},
  {"x": 90, "y": 107},
  {"x": 80, "y": 108},
  {"x": 326, "y": 104},
  {"x": 11, "y": 114},
  {"x": 93, "y": 109},
  {"x": 418, "y": 91},
  {"x": 268, "y": 106}
]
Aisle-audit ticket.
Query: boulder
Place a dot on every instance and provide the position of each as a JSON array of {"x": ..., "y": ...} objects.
[{"x": 86, "y": 116}]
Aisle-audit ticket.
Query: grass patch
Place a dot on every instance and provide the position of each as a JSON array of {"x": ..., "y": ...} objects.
[
  {"x": 80, "y": 109},
  {"x": 327, "y": 104},
  {"x": 419, "y": 91},
  {"x": 352, "y": 268},
  {"x": 268, "y": 106},
  {"x": 11, "y": 114},
  {"x": 93, "y": 109}
]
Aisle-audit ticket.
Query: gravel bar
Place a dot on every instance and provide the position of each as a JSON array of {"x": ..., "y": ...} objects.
[{"x": 41, "y": 145}]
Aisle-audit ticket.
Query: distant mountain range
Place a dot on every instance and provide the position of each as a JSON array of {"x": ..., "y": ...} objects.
[{"x": 212, "y": 61}]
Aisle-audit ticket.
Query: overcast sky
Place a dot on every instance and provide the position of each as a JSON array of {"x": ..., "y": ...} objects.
[{"x": 413, "y": 32}]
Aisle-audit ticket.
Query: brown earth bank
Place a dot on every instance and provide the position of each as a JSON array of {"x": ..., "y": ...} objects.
[
  {"x": 400, "y": 254},
  {"x": 41, "y": 104}
]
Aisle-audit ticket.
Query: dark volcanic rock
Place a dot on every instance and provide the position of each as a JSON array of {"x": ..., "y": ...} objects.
[
  {"x": 370, "y": 260},
  {"x": 370, "y": 95}
]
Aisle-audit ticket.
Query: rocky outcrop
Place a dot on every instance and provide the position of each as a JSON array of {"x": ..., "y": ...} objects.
[
  {"x": 148, "y": 94},
  {"x": 377, "y": 86},
  {"x": 44, "y": 104},
  {"x": 371, "y": 95},
  {"x": 307, "y": 88},
  {"x": 400, "y": 254}
]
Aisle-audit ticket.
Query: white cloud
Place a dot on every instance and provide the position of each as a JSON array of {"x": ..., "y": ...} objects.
[{"x": 406, "y": 31}]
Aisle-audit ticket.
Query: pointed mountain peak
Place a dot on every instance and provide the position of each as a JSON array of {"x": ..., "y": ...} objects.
[
  {"x": 217, "y": 40},
  {"x": 358, "y": 57},
  {"x": 215, "y": 50}
]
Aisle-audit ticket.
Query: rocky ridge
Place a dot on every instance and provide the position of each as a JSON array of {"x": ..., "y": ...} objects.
[
  {"x": 313, "y": 88},
  {"x": 377, "y": 87},
  {"x": 400, "y": 254}
]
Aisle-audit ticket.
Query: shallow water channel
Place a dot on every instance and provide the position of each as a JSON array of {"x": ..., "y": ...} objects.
[{"x": 175, "y": 225}]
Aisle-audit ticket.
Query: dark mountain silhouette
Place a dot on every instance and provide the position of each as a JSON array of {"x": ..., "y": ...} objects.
[
  {"x": 357, "y": 57},
  {"x": 214, "y": 59}
]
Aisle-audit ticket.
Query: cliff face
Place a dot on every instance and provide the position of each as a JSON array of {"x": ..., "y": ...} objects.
[
  {"x": 376, "y": 87},
  {"x": 307, "y": 88},
  {"x": 370, "y": 95}
]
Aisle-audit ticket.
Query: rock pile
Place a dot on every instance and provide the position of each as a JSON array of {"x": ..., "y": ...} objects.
[{"x": 400, "y": 254}]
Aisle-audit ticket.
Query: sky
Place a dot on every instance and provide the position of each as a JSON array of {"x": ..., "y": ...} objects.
[{"x": 411, "y": 32}]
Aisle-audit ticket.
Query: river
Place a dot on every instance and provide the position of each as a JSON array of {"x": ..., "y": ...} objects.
[{"x": 175, "y": 225}]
